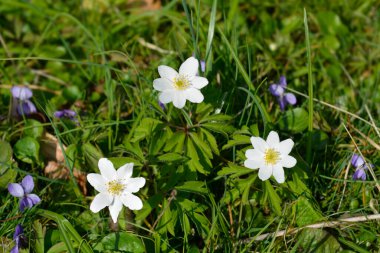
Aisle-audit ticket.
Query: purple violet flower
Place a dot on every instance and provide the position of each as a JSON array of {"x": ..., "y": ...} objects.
[
  {"x": 23, "y": 191},
  {"x": 358, "y": 162},
  {"x": 21, "y": 99},
  {"x": 202, "y": 64},
  {"x": 65, "y": 113},
  {"x": 162, "y": 105},
  {"x": 17, "y": 237},
  {"x": 278, "y": 90}
]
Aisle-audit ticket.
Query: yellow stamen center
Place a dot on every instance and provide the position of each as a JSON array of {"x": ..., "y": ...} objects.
[
  {"x": 115, "y": 187},
  {"x": 271, "y": 156},
  {"x": 181, "y": 82}
]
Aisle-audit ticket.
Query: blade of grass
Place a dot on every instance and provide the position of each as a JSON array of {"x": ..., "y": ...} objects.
[
  {"x": 67, "y": 231},
  {"x": 189, "y": 20},
  {"x": 310, "y": 90},
  {"x": 210, "y": 35}
]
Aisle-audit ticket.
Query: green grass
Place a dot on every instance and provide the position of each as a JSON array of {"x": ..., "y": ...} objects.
[{"x": 101, "y": 59}]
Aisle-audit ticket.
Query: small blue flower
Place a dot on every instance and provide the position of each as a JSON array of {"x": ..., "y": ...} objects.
[
  {"x": 17, "y": 237},
  {"x": 278, "y": 90},
  {"x": 21, "y": 99},
  {"x": 358, "y": 162},
  {"x": 23, "y": 191}
]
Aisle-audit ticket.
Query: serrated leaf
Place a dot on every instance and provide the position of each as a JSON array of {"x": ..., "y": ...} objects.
[
  {"x": 211, "y": 141},
  {"x": 237, "y": 139},
  {"x": 201, "y": 145},
  {"x": 27, "y": 150},
  {"x": 295, "y": 120},
  {"x": 135, "y": 149},
  {"x": 120, "y": 161},
  {"x": 172, "y": 157},
  {"x": 234, "y": 170},
  {"x": 193, "y": 186},
  {"x": 175, "y": 142},
  {"x": 216, "y": 117},
  {"x": 146, "y": 128},
  {"x": 219, "y": 127}
]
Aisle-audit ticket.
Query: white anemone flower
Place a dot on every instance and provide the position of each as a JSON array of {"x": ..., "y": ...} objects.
[
  {"x": 178, "y": 87},
  {"x": 115, "y": 188},
  {"x": 270, "y": 156}
]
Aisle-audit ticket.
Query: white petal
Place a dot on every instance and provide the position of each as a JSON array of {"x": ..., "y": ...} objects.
[
  {"x": 166, "y": 96},
  {"x": 199, "y": 82},
  {"x": 254, "y": 154},
  {"x": 194, "y": 95},
  {"x": 265, "y": 172},
  {"x": 131, "y": 201},
  {"x": 286, "y": 146},
  {"x": 134, "y": 184},
  {"x": 259, "y": 143},
  {"x": 162, "y": 84},
  {"x": 106, "y": 169},
  {"x": 189, "y": 67},
  {"x": 273, "y": 140},
  {"x": 288, "y": 161},
  {"x": 100, "y": 201},
  {"x": 167, "y": 72},
  {"x": 115, "y": 209},
  {"x": 251, "y": 164},
  {"x": 278, "y": 173},
  {"x": 97, "y": 181},
  {"x": 179, "y": 100},
  {"x": 125, "y": 171}
]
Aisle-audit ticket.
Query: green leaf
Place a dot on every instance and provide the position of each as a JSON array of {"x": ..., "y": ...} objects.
[
  {"x": 211, "y": 141},
  {"x": 234, "y": 170},
  {"x": 7, "y": 174},
  {"x": 318, "y": 241},
  {"x": 33, "y": 128},
  {"x": 27, "y": 150},
  {"x": 306, "y": 212},
  {"x": 168, "y": 219},
  {"x": 148, "y": 206},
  {"x": 123, "y": 241},
  {"x": 201, "y": 145},
  {"x": 274, "y": 199},
  {"x": 237, "y": 139},
  {"x": 172, "y": 157},
  {"x": 6, "y": 152},
  {"x": 67, "y": 231},
  {"x": 40, "y": 235},
  {"x": 295, "y": 120},
  {"x": 92, "y": 155},
  {"x": 193, "y": 186},
  {"x": 219, "y": 127},
  {"x": 215, "y": 118},
  {"x": 146, "y": 127},
  {"x": 72, "y": 93},
  {"x": 175, "y": 142}
]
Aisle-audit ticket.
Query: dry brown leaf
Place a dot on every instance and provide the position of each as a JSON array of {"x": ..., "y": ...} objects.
[
  {"x": 56, "y": 167},
  {"x": 147, "y": 5}
]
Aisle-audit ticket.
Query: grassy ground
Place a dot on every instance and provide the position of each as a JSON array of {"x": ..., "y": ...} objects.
[{"x": 99, "y": 58}]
